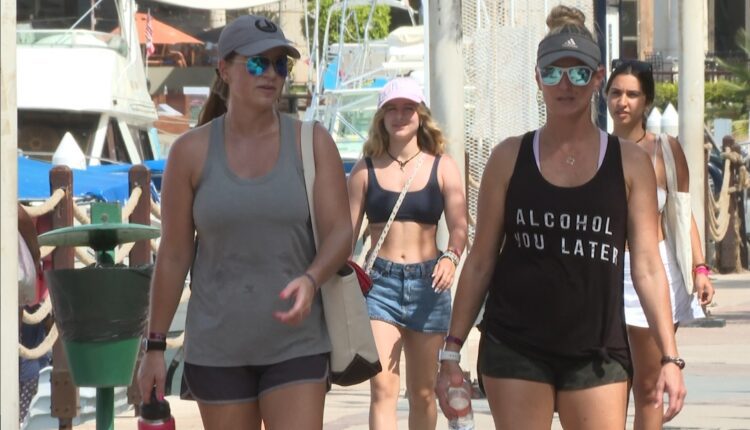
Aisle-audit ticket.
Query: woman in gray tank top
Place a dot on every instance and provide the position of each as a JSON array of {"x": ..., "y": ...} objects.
[{"x": 235, "y": 213}]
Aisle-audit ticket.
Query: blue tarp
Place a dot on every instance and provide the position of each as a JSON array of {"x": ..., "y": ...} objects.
[{"x": 108, "y": 183}]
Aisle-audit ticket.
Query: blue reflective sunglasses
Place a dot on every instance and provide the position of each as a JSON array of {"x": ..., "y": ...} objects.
[
  {"x": 258, "y": 64},
  {"x": 577, "y": 75}
]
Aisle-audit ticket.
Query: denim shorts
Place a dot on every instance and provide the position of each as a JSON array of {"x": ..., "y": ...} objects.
[{"x": 402, "y": 295}]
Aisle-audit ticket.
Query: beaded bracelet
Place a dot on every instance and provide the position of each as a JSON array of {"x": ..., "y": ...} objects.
[{"x": 450, "y": 255}]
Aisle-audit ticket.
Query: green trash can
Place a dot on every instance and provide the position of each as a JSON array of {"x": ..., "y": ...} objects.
[{"x": 101, "y": 314}]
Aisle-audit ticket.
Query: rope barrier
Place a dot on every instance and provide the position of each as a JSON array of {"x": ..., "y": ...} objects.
[
  {"x": 80, "y": 215},
  {"x": 155, "y": 209},
  {"x": 34, "y": 318},
  {"x": 48, "y": 205},
  {"x": 42, "y": 348},
  {"x": 129, "y": 207}
]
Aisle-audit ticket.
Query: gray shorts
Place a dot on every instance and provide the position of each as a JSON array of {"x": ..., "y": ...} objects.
[{"x": 209, "y": 384}]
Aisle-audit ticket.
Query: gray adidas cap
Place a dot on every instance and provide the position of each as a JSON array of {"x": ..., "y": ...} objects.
[
  {"x": 566, "y": 45},
  {"x": 250, "y": 35}
]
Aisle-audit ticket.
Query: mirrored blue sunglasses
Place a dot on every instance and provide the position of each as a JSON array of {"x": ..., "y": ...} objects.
[
  {"x": 577, "y": 75},
  {"x": 258, "y": 64}
]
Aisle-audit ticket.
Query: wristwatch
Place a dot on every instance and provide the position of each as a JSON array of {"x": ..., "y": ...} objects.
[
  {"x": 676, "y": 360},
  {"x": 445, "y": 355},
  {"x": 154, "y": 345}
]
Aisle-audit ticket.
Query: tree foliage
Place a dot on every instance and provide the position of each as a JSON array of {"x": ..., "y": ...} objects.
[{"x": 354, "y": 30}]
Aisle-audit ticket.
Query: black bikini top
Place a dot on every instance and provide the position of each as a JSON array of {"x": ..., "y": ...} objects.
[{"x": 424, "y": 206}]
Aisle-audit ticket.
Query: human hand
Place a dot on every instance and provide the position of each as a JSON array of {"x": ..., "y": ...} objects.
[
  {"x": 442, "y": 275},
  {"x": 672, "y": 383},
  {"x": 449, "y": 375},
  {"x": 302, "y": 290},
  {"x": 704, "y": 289},
  {"x": 152, "y": 372}
]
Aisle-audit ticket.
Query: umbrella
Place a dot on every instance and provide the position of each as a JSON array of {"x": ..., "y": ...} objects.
[{"x": 163, "y": 34}]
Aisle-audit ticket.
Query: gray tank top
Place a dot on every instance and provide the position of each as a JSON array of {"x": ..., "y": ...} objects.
[{"x": 254, "y": 237}]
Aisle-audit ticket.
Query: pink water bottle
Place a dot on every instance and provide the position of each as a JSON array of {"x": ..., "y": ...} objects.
[{"x": 156, "y": 415}]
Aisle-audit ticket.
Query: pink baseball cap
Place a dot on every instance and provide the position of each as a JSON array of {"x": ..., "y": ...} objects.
[{"x": 401, "y": 88}]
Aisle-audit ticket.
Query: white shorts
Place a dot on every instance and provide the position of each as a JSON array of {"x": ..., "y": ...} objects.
[{"x": 685, "y": 307}]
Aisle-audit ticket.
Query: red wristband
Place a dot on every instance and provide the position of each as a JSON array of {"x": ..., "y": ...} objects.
[
  {"x": 454, "y": 339},
  {"x": 157, "y": 336},
  {"x": 701, "y": 270}
]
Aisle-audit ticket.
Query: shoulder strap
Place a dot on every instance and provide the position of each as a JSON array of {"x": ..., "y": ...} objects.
[
  {"x": 308, "y": 168},
  {"x": 381, "y": 239},
  {"x": 669, "y": 167}
]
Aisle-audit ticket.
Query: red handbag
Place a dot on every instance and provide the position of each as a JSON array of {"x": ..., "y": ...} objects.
[{"x": 365, "y": 283}]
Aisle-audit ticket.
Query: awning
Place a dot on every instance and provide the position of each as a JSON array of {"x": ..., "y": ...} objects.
[
  {"x": 162, "y": 33},
  {"x": 217, "y": 4}
]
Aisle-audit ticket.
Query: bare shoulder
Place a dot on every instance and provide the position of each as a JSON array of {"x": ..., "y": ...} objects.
[
  {"x": 192, "y": 144},
  {"x": 636, "y": 162},
  {"x": 503, "y": 157}
]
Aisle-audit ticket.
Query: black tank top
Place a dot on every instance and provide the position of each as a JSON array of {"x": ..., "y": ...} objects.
[
  {"x": 424, "y": 206},
  {"x": 557, "y": 289}
]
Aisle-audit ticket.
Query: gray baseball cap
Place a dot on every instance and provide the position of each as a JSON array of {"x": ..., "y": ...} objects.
[
  {"x": 566, "y": 45},
  {"x": 250, "y": 35}
]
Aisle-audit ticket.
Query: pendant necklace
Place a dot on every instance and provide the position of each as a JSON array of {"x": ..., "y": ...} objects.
[
  {"x": 401, "y": 164},
  {"x": 641, "y": 138},
  {"x": 570, "y": 160}
]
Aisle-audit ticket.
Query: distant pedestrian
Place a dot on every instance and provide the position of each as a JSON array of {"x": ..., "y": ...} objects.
[
  {"x": 235, "y": 213},
  {"x": 410, "y": 301},
  {"x": 556, "y": 207},
  {"x": 630, "y": 92}
]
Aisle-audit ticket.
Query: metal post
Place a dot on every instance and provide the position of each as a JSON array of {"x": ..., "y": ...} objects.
[
  {"x": 600, "y": 21},
  {"x": 691, "y": 102},
  {"x": 446, "y": 80},
  {"x": 8, "y": 219},
  {"x": 445, "y": 86}
]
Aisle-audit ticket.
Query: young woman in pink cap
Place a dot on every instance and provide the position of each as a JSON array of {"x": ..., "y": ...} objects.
[
  {"x": 630, "y": 92},
  {"x": 556, "y": 207},
  {"x": 410, "y": 301},
  {"x": 235, "y": 213}
]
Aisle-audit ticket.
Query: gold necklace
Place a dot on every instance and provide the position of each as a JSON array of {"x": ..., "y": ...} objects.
[{"x": 401, "y": 164}]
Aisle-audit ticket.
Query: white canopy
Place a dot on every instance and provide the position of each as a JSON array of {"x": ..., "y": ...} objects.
[{"x": 217, "y": 4}]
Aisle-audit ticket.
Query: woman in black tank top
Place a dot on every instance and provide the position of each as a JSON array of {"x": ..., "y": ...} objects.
[
  {"x": 555, "y": 209},
  {"x": 409, "y": 304}
]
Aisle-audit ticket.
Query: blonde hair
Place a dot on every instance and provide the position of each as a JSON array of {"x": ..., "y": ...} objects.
[
  {"x": 429, "y": 136},
  {"x": 566, "y": 19}
]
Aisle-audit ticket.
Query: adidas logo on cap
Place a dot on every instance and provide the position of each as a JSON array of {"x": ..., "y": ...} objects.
[{"x": 570, "y": 43}]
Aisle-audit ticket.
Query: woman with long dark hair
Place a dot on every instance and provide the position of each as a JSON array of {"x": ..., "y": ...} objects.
[{"x": 630, "y": 92}]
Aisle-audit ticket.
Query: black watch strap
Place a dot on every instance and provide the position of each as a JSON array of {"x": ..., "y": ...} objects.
[
  {"x": 675, "y": 360},
  {"x": 154, "y": 345}
]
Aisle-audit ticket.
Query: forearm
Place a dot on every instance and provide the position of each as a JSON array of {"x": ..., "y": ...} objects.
[
  {"x": 166, "y": 290},
  {"x": 696, "y": 245},
  {"x": 332, "y": 254},
  {"x": 470, "y": 294},
  {"x": 653, "y": 292}
]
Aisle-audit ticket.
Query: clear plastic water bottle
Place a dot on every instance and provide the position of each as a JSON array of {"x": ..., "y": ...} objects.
[{"x": 459, "y": 398}]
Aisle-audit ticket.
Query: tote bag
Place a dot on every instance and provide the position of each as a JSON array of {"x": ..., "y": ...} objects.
[
  {"x": 354, "y": 357},
  {"x": 677, "y": 218}
]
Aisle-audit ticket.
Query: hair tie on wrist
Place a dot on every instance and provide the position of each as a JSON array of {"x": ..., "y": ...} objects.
[{"x": 314, "y": 282}]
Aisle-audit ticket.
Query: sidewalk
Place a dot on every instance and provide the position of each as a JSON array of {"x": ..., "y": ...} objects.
[{"x": 717, "y": 376}]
